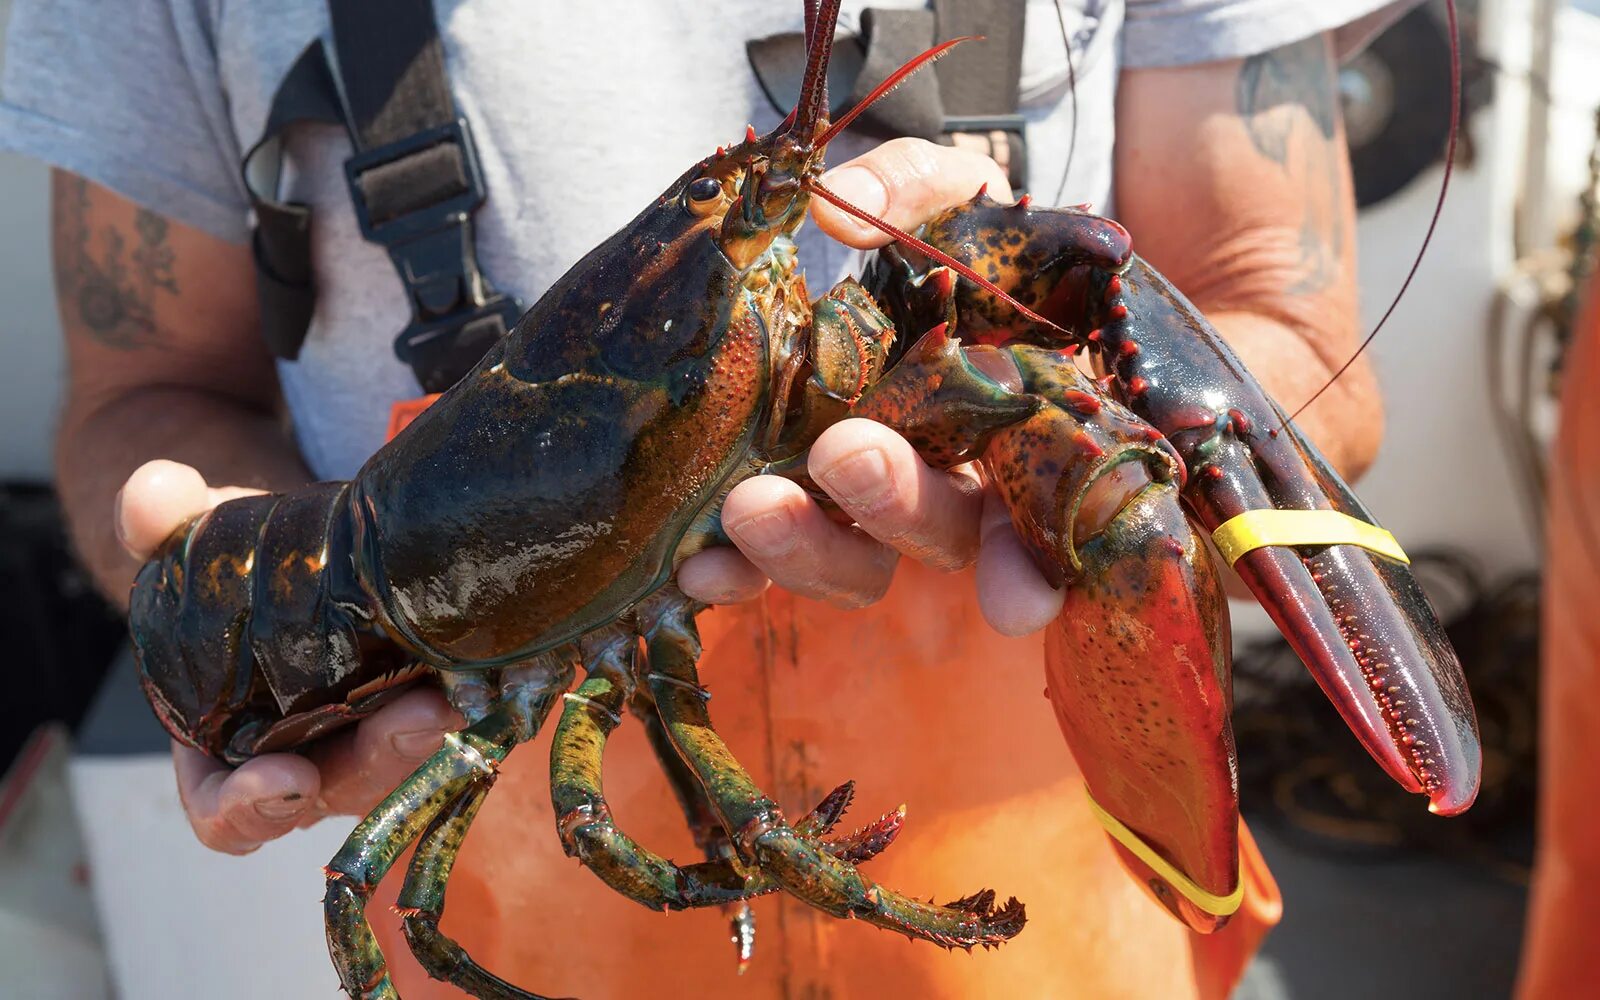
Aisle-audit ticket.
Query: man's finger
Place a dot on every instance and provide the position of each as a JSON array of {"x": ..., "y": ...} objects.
[
  {"x": 237, "y": 810},
  {"x": 359, "y": 769},
  {"x": 721, "y": 576},
  {"x": 905, "y": 182},
  {"x": 158, "y": 497},
  {"x": 878, "y": 479},
  {"x": 791, "y": 539},
  {"x": 1013, "y": 595}
]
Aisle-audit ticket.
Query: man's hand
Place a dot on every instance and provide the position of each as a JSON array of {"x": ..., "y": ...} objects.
[
  {"x": 236, "y": 810},
  {"x": 164, "y": 358},
  {"x": 899, "y": 504}
]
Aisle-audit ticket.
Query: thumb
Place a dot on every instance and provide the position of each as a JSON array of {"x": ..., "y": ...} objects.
[
  {"x": 157, "y": 498},
  {"x": 905, "y": 182}
]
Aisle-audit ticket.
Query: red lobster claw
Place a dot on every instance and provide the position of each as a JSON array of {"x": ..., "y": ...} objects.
[
  {"x": 1138, "y": 660},
  {"x": 1345, "y": 599}
]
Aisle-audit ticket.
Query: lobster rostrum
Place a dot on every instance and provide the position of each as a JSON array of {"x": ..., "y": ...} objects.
[{"x": 529, "y": 522}]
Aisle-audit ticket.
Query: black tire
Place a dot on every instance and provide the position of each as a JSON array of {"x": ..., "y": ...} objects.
[{"x": 1412, "y": 136}]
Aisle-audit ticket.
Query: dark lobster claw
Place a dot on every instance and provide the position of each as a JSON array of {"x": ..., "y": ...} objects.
[{"x": 1358, "y": 619}]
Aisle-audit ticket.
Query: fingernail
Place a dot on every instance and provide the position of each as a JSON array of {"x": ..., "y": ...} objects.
[
  {"x": 116, "y": 521},
  {"x": 858, "y": 480},
  {"x": 769, "y": 534},
  {"x": 286, "y": 807},
  {"x": 860, "y": 187},
  {"x": 418, "y": 745}
]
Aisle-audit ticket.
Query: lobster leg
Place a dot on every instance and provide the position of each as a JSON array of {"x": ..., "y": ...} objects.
[
  {"x": 468, "y": 758},
  {"x": 761, "y": 834},
  {"x": 589, "y": 833},
  {"x": 708, "y": 834},
  {"x": 582, "y": 815},
  {"x": 421, "y": 903}
]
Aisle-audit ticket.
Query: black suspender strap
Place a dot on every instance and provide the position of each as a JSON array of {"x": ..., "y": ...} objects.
[
  {"x": 980, "y": 84},
  {"x": 281, "y": 241},
  {"x": 970, "y": 97},
  {"x": 414, "y": 181}
]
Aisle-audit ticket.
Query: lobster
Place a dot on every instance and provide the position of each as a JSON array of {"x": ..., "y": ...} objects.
[{"x": 529, "y": 522}]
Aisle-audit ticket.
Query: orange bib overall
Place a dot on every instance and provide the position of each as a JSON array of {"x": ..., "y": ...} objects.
[
  {"x": 1561, "y": 957},
  {"x": 919, "y": 702}
]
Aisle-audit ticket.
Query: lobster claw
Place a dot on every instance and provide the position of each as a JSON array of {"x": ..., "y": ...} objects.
[
  {"x": 1137, "y": 662},
  {"x": 1335, "y": 584}
]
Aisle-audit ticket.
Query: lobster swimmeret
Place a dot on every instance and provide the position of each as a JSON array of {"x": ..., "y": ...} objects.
[{"x": 529, "y": 523}]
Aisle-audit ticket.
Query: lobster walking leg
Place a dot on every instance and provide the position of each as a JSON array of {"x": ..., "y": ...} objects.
[
  {"x": 708, "y": 834},
  {"x": 589, "y": 833},
  {"x": 421, "y": 903},
  {"x": 763, "y": 837},
  {"x": 582, "y": 815},
  {"x": 468, "y": 758}
]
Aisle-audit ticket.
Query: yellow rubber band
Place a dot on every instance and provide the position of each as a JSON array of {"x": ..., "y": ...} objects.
[
  {"x": 1217, "y": 906},
  {"x": 1256, "y": 529}
]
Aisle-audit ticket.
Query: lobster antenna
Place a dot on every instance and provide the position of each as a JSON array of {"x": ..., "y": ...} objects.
[
  {"x": 1438, "y": 208},
  {"x": 890, "y": 82},
  {"x": 1072, "y": 92},
  {"x": 901, "y": 236},
  {"x": 812, "y": 103}
]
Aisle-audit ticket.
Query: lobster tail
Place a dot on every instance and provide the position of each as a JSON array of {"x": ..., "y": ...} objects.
[{"x": 249, "y": 616}]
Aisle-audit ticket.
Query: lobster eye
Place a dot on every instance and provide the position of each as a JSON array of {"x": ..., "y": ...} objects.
[{"x": 704, "y": 189}]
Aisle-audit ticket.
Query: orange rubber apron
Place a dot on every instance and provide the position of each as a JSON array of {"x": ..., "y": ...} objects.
[
  {"x": 1561, "y": 953},
  {"x": 919, "y": 702}
]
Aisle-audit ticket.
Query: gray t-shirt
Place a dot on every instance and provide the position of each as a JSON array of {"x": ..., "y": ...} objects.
[{"x": 583, "y": 112}]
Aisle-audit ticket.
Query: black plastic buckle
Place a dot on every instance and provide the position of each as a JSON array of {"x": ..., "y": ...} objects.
[
  {"x": 455, "y": 315},
  {"x": 1016, "y": 125},
  {"x": 440, "y": 351}
]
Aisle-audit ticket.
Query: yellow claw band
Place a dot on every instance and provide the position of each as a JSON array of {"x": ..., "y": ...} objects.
[
  {"x": 1217, "y": 906},
  {"x": 1255, "y": 529}
]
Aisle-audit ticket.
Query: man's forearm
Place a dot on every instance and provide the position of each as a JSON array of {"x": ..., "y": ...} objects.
[
  {"x": 1346, "y": 422},
  {"x": 98, "y": 447}
]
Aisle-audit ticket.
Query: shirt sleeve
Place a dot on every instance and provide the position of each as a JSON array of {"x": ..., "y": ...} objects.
[
  {"x": 129, "y": 96},
  {"x": 1183, "y": 32}
]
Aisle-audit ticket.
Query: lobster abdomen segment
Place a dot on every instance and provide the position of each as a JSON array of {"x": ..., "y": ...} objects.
[{"x": 252, "y": 632}]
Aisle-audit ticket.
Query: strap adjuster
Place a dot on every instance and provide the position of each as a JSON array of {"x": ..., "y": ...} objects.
[
  {"x": 442, "y": 350},
  {"x": 415, "y": 197},
  {"x": 386, "y": 223}
]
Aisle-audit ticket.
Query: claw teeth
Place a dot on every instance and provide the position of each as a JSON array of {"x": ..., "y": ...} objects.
[
  {"x": 979, "y": 902},
  {"x": 833, "y": 807},
  {"x": 1007, "y": 921},
  {"x": 871, "y": 840}
]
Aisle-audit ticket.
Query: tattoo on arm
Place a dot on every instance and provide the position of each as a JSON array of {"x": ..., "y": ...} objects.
[
  {"x": 1292, "y": 91},
  {"x": 103, "y": 285}
]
